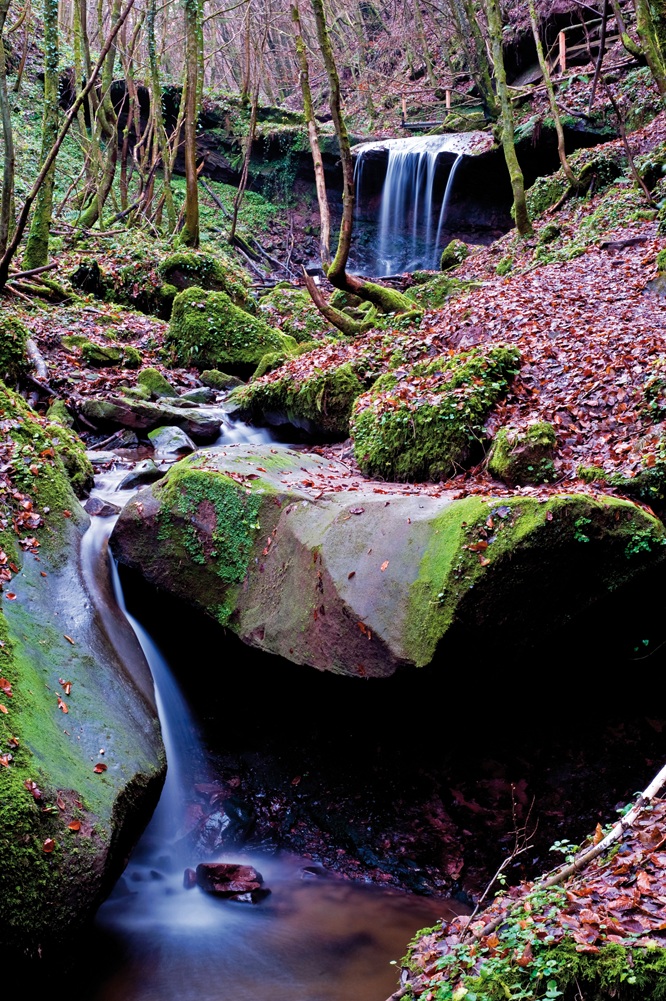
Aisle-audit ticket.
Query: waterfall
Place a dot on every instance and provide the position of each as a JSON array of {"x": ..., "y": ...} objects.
[{"x": 413, "y": 209}]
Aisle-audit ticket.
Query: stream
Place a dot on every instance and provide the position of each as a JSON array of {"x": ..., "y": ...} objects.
[{"x": 317, "y": 937}]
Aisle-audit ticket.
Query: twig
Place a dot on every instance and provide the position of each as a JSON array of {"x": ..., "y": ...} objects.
[{"x": 33, "y": 271}]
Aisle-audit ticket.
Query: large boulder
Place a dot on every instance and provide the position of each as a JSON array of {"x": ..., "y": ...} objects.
[
  {"x": 142, "y": 415},
  {"x": 209, "y": 331},
  {"x": 274, "y": 544},
  {"x": 81, "y": 760}
]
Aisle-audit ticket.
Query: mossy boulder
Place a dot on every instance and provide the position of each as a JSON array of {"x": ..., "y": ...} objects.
[
  {"x": 519, "y": 457},
  {"x": 65, "y": 829},
  {"x": 207, "y": 330},
  {"x": 215, "y": 379},
  {"x": 155, "y": 384},
  {"x": 294, "y": 313},
  {"x": 217, "y": 274},
  {"x": 13, "y": 339},
  {"x": 319, "y": 403},
  {"x": 426, "y": 422},
  {"x": 454, "y": 253},
  {"x": 142, "y": 415},
  {"x": 436, "y": 289},
  {"x": 104, "y": 355},
  {"x": 269, "y": 544}
]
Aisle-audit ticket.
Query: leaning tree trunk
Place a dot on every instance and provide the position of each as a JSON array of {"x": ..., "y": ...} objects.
[
  {"x": 521, "y": 216},
  {"x": 313, "y": 138},
  {"x": 8, "y": 138},
  {"x": 37, "y": 250},
  {"x": 388, "y": 300},
  {"x": 190, "y": 232},
  {"x": 555, "y": 111}
]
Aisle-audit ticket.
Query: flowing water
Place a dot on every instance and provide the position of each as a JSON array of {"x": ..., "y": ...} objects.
[
  {"x": 317, "y": 937},
  {"x": 414, "y": 202}
]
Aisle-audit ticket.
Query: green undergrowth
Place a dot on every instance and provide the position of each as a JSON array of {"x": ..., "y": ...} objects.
[
  {"x": 293, "y": 312},
  {"x": 433, "y": 432},
  {"x": 518, "y": 457}
]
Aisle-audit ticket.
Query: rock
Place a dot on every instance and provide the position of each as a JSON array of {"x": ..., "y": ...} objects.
[
  {"x": 96, "y": 507},
  {"x": 203, "y": 394},
  {"x": 321, "y": 405},
  {"x": 207, "y": 330},
  {"x": 368, "y": 582},
  {"x": 235, "y": 882},
  {"x": 101, "y": 356},
  {"x": 189, "y": 879},
  {"x": 524, "y": 456},
  {"x": 454, "y": 253},
  {"x": 144, "y": 472},
  {"x": 218, "y": 274},
  {"x": 220, "y": 380},
  {"x": 152, "y": 382},
  {"x": 171, "y": 441},
  {"x": 293, "y": 312},
  {"x": 430, "y": 433},
  {"x": 145, "y": 416},
  {"x": 123, "y": 439},
  {"x": 46, "y": 897}
]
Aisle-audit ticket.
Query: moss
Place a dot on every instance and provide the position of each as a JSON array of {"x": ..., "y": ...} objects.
[
  {"x": 434, "y": 292},
  {"x": 453, "y": 254},
  {"x": 294, "y": 313},
  {"x": 207, "y": 330},
  {"x": 585, "y": 540},
  {"x": 59, "y": 414},
  {"x": 155, "y": 384},
  {"x": 218, "y": 274},
  {"x": 549, "y": 232},
  {"x": 131, "y": 357},
  {"x": 340, "y": 299},
  {"x": 544, "y": 193},
  {"x": 431, "y": 434},
  {"x": 74, "y": 342},
  {"x": 320, "y": 403},
  {"x": 661, "y": 261},
  {"x": 591, "y": 474},
  {"x": 504, "y": 266},
  {"x": 524, "y": 457},
  {"x": 219, "y": 380},
  {"x": 13, "y": 339},
  {"x": 191, "y": 495}
]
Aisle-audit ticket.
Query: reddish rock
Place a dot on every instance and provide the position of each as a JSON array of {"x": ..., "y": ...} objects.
[
  {"x": 189, "y": 878},
  {"x": 235, "y": 882}
]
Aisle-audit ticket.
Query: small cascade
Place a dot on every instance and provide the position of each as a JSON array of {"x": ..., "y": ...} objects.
[{"x": 415, "y": 197}]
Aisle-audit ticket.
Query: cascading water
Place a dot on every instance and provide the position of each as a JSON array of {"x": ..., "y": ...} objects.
[
  {"x": 316, "y": 938},
  {"x": 415, "y": 199}
]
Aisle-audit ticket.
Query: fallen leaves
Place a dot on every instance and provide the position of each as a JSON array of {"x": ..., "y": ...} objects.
[{"x": 100, "y": 767}]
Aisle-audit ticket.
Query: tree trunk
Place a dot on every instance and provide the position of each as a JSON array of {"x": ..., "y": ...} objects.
[
  {"x": 543, "y": 63},
  {"x": 190, "y": 232},
  {"x": 651, "y": 28},
  {"x": 313, "y": 138},
  {"x": 522, "y": 219},
  {"x": 158, "y": 116},
  {"x": 37, "y": 250},
  {"x": 9, "y": 161}
]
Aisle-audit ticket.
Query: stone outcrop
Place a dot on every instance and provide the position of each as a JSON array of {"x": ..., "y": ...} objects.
[{"x": 361, "y": 578}]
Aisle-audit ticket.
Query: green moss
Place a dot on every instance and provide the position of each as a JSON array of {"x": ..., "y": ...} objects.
[
  {"x": 59, "y": 414},
  {"x": 207, "y": 330},
  {"x": 524, "y": 457},
  {"x": 433, "y": 293},
  {"x": 434, "y": 431},
  {"x": 320, "y": 403},
  {"x": 192, "y": 495},
  {"x": 504, "y": 266},
  {"x": 13, "y": 338},
  {"x": 131, "y": 357},
  {"x": 155, "y": 384},
  {"x": 453, "y": 254},
  {"x": 213, "y": 273},
  {"x": 294, "y": 313},
  {"x": 549, "y": 232},
  {"x": 661, "y": 261},
  {"x": 109, "y": 356},
  {"x": 219, "y": 380},
  {"x": 544, "y": 193}
]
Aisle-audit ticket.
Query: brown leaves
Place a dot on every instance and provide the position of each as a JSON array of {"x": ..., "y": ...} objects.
[
  {"x": 5, "y": 686},
  {"x": 100, "y": 767},
  {"x": 62, "y": 705},
  {"x": 49, "y": 846}
]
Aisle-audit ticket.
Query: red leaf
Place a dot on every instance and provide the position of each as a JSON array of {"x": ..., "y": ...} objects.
[
  {"x": 100, "y": 767},
  {"x": 48, "y": 845}
]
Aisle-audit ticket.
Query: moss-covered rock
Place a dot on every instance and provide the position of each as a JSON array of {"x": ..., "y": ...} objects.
[
  {"x": 155, "y": 384},
  {"x": 53, "y": 875},
  {"x": 436, "y": 289},
  {"x": 454, "y": 253},
  {"x": 207, "y": 330},
  {"x": 431, "y": 425},
  {"x": 216, "y": 274},
  {"x": 215, "y": 379},
  {"x": 518, "y": 457},
  {"x": 367, "y": 582},
  {"x": 101, "y": 355},
  {"x": 294, "y": 313},
  {"x": 319, "y": 404},
  {"x": 59, "y": 413},
  {"x": 13, "y": 339}
]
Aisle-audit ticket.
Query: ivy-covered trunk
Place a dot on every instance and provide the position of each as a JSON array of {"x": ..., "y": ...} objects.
[
  {"x": 8, "y": 139},
  {"x": 193, "y": 29},
  {"x": 37, "y": 250},
  {"x": 522, "y": 219}
]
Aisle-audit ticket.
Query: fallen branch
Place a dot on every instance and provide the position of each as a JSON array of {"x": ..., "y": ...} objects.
[
  {"x": 33, "y": 271},
  {"x": 587, "y": 856}
]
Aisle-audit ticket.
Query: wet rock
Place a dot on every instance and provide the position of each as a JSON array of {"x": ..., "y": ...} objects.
[
  {"x": 201, "y": 395},
  {"x": 278, "y": 545},
  {"x": 220, "y": 380},
  {"x": 189, "y": 879},
  {"x": 121, "y": 439},
  {"x": 140, "y": 415},
  {"x": 143, "y": 473},
  {"x": 96, "y": 507},
  {"x": 234, "y": 882},
  {"x": 171, "y": 441}
]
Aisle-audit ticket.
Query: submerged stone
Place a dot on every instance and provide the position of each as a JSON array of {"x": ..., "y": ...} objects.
[{"x": 235, "y": 882}]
